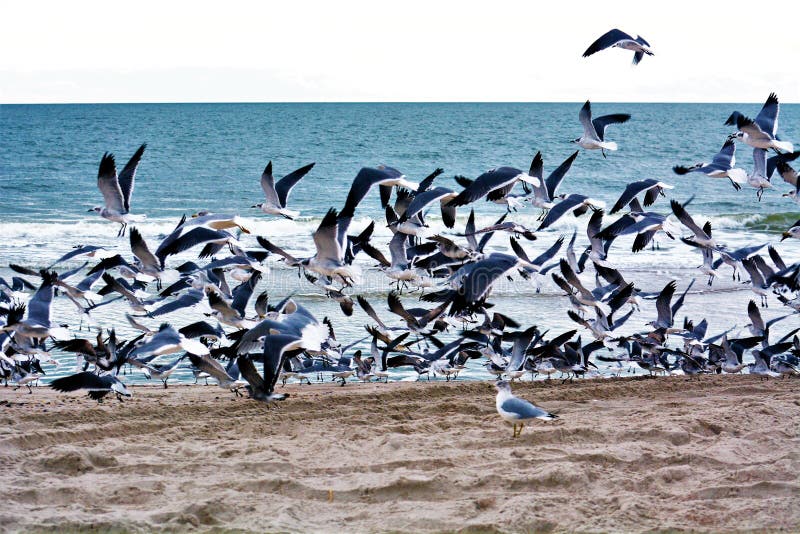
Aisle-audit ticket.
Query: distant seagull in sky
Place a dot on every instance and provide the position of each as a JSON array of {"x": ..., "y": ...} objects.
[
  {"x": 516, "y": 410},
  {"x": 117, "y": 190},
  {"x": 277, "y": 194},
  {"x": 619, "y": 39},
  {"x": 593, "y": 137}
]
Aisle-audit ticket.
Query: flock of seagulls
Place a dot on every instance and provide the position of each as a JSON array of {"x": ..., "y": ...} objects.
[{"x": 246, "y": 341}]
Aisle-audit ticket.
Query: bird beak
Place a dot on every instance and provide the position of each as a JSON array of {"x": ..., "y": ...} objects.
[
  {"x": 785, "y": 235},
  {"x": 254, "y": 206},
  {"x": 90, "y": 210}
]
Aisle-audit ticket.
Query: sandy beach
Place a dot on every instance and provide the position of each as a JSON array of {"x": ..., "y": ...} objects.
[{"x": 711, "y": 454}]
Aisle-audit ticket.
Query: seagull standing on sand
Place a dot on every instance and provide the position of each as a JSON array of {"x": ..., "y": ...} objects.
[
  {"x": 619, "y": 39},
  {"x": 593, "y": 137},
  {"x": 117, "y": 190},
  {"x": 516, "y": 410}
]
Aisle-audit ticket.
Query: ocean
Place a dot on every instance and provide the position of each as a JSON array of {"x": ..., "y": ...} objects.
[{"x": 210, "y": 156}]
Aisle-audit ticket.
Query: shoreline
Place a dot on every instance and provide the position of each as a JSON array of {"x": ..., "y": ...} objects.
[{"x": 627, "y": 454}]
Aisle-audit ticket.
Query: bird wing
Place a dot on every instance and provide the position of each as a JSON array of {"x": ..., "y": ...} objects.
[
  {"x": 523, "y": 409},
  {"x": 585, "y": 116},
  {"x": 600, "y": 123},
  {"x": 285, "y": 184},
  {"x": 397, "y": 250},
  {"x": 609, "y": 38},
  {"x": 557, "y": 176},
  {"x": 469, "y": 231},
  {"x": 210, "y": 366},
  {"x": 242, "y": 293},
  {"x": 549, "y": 253},
  {"x": 485, "y": 184},
  {"x": 84, "y": 380},
  {"x": 631, "y": 191},
  {"x": 421, "y": 200},
  {"x": 369, "y": 310},
  {"x": 755, "y": 317},
  {"x": 725, "y": 158},
  {"x": 325, "y": 238},
  {"x": 249, "y": 373},
  {"x": 684, "y": 217},
  {"x": 396, "y": 307},
  {"x": 268, "y": 185},
  {"x": 663, "y": 303},
  {"x": 561, "y": 208},
  {"x": 140, "y": 250},
  {"x": 275, "y": 348},
  {"x": 127, "y": 177},
  {"x": 109, "y": 185},
  {"x": 39, "y": 304},
  {"x": 751, "y": 128},
  {"x": 767, "y": 118},
  {"x": 190, "y": 298}
]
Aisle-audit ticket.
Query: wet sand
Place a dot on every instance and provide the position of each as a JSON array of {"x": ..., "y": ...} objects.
[{"x": 710, "y": 454}]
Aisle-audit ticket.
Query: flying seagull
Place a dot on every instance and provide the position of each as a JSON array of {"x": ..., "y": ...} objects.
[
  {"x": 277, "y": 194},
  {"x": 722, "y": 166},
  {"x": 763, "y": 131},
  {"x": 619, "y": 39},
  {"x": 593, "y": 137},
  {"x": 98, "y": 386},
  {"x": 117, "y": 189}
]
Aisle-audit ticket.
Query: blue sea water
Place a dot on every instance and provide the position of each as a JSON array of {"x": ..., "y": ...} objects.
[{"x": 210, "y": 156}]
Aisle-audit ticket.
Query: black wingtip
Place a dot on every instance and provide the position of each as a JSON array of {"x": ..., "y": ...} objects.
[
  {"x": 107, "y": 165},
  {"x": 771, "y": 99},
  {"x": 731, "y": 121},
  {"x": 329, "y": 219},
  {"x": 268, "y": 168},
  {"x": 742, "y": 121},
  {"x": 680, "y": 170}
]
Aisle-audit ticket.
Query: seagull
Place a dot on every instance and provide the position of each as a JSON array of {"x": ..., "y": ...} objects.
[
  {"x": 593, "y": 137},
  {"x": 516, "y": 410},
  {"x": 722, "y": 166},
  {"x": 277, "y": 347},
  {"x": 545, "y": 192},
  {"x": 700, "y": 236},
  {"x": 652, "y": 189},
  {"x": 789, "y": 176},
  {"x": 793, "y": 231},
  {"x": 619, "y": 39},
  {"x": 495, "y": 184},
  {"x": 168, "y": 341},
  {"x": 761, "y": 132},
  {"x": 277, "y": 194},
  {"x": 117, "y": 190},
  {"x": 36, "y": 323},
  {"x": 575, "y": 203},
  {"x": 329, "y": 259},
  {"x": 158, "y": 371},
  {"x": 98, "y": 386},
  {"x": 759, "y": 177}
]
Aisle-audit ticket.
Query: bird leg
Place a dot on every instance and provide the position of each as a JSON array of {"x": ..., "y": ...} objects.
[
  {"x": 603, "y": 151},
  {"x": 165, "y": 382}
]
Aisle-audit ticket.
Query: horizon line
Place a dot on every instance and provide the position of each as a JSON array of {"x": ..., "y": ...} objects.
[{"x": 361, "y": 102}]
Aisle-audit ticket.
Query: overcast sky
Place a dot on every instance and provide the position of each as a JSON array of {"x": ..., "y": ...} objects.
[{"x": 344, "y": 50}]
